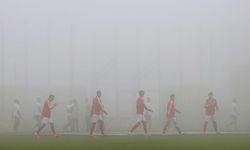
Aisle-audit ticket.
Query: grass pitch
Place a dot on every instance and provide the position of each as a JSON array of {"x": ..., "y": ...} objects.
[{"x": 154, "y": 142}]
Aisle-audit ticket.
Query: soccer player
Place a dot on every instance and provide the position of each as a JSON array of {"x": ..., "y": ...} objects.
[
  {"x": 69, "y": 108},
  {"x": 210, "y": 107},
  {"x": 75, "y": 116},
  {"x": 46, "y": 116},
  {"x": 96, "y": 116},
  {"x": 87, "y": 114},
  {"x": 140, "y": 106},
  {"x": 148, "y": 116},
  {"x": 171, "y": 110},
  {"x": 16, "y": 115},
  {"x": 234, "y": 115},
  {"x": 38, "y": 112}
]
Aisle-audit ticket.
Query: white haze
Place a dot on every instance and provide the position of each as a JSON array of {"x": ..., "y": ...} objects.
[{"x": 71, "y": 48}]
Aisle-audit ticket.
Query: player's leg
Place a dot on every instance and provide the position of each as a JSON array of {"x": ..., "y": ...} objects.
[
  {"x": 231, "y": 121},
  {"x": 15, "y": 125},
  {"x": 234, "y": 122},
  {"x": 145, "y": 127},
  {"x": 67, "y": 125},
  {"x": 137, "y": 124},
  {"x": 52, "y": 127},
  {"x": 149, "y": 123},
  {"x": 71, "y": 124},
  {"x": 214, "y": 124},
  {"x": 166, "y": 125},
  {"x": 205, "y": 123},
  {"x": 38, "y": 121},
  {"x": 176, "y": 125},
  {"x": 40, "y": 128},
  {"x": 101, "y": 125},
  {"x": 205, "y": 126},
  {"x": 76, "y": 125},
  {"x": 144, "y": 122},
  {"x": 94, "y": 120}
]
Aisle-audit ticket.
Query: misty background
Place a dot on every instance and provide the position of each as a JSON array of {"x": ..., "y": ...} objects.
[{"x": 71, "y": 48}]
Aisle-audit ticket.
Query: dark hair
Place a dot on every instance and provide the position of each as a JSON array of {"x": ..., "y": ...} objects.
[
  {"x": 98, "y": 92},
  {"x": 51, "y": 96},
  {"x": 141, "y": 92},
  {"x": 172, "y": 95}
]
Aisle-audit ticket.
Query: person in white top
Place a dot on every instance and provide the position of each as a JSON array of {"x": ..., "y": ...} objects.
[
  {"x": 69, "y": 116},
  {"x": 234, "y": 114},
  {"x": 16, "y": 114},
  {"x": 87, "y": 114},
  {"x": 148, "y": 116},
  {"x": 75, "y": 116},
  {"x": 38, "y": 112}
]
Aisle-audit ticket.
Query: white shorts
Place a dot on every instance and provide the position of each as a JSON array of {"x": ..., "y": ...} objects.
[
  {"x": 46, "y": 120},
  {"x": 212, "y": 118},
  {"x": 95, "y": 118},
  {"x": 140, "y": 118}
]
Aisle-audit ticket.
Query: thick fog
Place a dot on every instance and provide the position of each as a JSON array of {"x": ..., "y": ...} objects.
[{"x": 71, "y": 48}]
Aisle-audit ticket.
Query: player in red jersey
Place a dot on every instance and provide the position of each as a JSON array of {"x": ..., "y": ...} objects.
[
  {"x": 96, "y": 113},
  {"x": 46, "y": 116},
  {"x": 171, "y": 115},
  {"x": 210, "y": 107},
  {"x": 140, "y": 106}
]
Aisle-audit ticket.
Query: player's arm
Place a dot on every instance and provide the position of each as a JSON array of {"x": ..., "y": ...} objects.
[
  {"x": 216, "y": 105},
  {"x": 54, "y": 105},
  {"x": 176, "y": 110},
  {"x": 102, "y": 109},
  {"x": 19, "y": 114},
  {"x": 148, "y": 109},
  {"x": 105, "y": 112}
]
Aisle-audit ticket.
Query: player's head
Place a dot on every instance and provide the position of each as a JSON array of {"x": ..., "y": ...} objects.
[
  {"x": 51, "y": 97},
  {"x": 210, "y": 94},
  {"x": 70, "y": 101},
  {"x": 172, "y": 97},
  {"x": 16, "y": 101},
  {"x": 141, "y": 93},
  {"x": 98, "y": 93},
  {"x": 235, "y": 100},
  {"x": 38, "y": 99},
  {"x": 148, "y": 99},
  {"x": 75, "y": 102}
]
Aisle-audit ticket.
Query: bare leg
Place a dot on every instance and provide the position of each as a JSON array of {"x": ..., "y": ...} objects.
[
  {"x": 40, "y": 129},
  {"x": 215, "y": 126},
  {"x": 166, "y": 126},
  {"x": 68, "y": 124},
  {"x": 101, "y": 124},
  {"x": 178, "y": 129},
  {"x": 205, "y": 126},
  {"x": 77, "y": 125},
  {"x": 52, "y": 127},
  {"x": 92, "y": 128},
  {"x": 135, "y": 126},
  {"x": 145, "y": 127},
  {"x": 16, "y": 124}
]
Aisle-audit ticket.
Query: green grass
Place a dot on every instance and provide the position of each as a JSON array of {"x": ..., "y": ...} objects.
[{"x": 184, "y": 142}]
